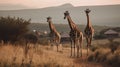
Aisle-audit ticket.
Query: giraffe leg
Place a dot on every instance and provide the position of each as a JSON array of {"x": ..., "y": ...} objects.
[
  {"x": 80, "y": 41},
  {"x": 51, "y": 43},
  {"x": 78, "y": 47},
  {"x": 74, "y": 47},
  {"x": 77, "y": 51},
  {"x": 81, "y": 50},
  {"x": 90, "y": 40},
  {"x": 87, "y": 44},
  {"x": 57, "y": 45},
  {"x": 71, "y": 48},
  {"x": 87, "y": 50}
]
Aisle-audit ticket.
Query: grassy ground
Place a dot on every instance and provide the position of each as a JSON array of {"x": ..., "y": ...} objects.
[{"x": 42, "y": 56}]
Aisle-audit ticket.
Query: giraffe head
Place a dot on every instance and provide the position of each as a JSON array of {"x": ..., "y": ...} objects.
[
  {"x": 66, "y": 14},
  {"x": 87, "y": 11},
  {"x": 49, "y": 19}
]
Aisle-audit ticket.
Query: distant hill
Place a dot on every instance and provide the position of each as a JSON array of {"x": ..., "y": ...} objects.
[
  {"x": 12, "y": 7},
  {"x": 108, "y": 15}
]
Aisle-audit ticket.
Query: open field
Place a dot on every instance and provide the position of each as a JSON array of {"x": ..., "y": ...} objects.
[
  {"x": 42, "y": 56},
  {"x": 27, "y": 35}
]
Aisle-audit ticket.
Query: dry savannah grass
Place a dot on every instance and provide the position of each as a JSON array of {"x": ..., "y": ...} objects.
[{"x": 42, "y": 56}]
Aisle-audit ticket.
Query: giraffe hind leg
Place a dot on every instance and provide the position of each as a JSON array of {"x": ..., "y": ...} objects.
[{"x": 78, "y": 47}]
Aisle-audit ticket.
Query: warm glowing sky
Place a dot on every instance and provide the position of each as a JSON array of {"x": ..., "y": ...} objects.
[{"x": 47, "y": 3}]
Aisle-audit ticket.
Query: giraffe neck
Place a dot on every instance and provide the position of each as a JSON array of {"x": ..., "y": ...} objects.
[
  {"x": 51, "y": 26},
  {"x": 53, "y": 30},
  {"x": 70, "y": 22},
  {"x": 88, "y": 20}
]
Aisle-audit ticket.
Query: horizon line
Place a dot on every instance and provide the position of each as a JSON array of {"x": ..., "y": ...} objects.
[{"x": 28, "y": 8}]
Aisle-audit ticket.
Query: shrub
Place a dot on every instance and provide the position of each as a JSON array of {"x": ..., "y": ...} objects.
[
  {"x": 91, "y": 57},
  {"x": 109, "y": 54},
  {"x": 114, "y": 60},
  {"x": 113, "y": 46},
  {"x": 94, "y": 47},
  {"x": 11, "y": 28},
  {"x": 27, "y": 38},
  {"x": 99, "y": 55}
]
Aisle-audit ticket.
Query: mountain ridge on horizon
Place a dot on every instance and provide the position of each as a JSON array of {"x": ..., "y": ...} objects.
[
  {"x": 100, "y": 15},
  {"x": 23, "y": 7}
]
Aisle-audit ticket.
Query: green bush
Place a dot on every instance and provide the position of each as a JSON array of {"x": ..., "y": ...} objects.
[{"x": 11, "y": 28}]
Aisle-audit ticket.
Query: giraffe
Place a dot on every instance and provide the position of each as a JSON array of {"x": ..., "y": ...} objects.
[
  {"x": 89, "y": 30},
  {"x": 76, "y": 36},
  {"x": 54, "y": 34}
]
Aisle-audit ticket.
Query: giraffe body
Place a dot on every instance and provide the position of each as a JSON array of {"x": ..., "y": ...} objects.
[
  {"x": 76, "y": 36},
  {"x": 54, "y": 35},
  {"x": 89, "y": 30}
]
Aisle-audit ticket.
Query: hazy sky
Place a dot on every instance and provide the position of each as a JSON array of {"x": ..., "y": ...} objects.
[{"x": 48, "y": 3}]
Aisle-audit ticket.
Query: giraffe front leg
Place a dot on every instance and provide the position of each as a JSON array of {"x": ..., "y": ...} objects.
[
  {"x": 87, "y": 50},
  {"x": 74, "y": 47},
  {"x": 87, "y": 40},
  {"x": 57, "y": 45},
  {"x": 78, "y": 51},
  {"x": 81, "y": 50},
  {"x": 78, "y": 48},
  {"x": 87, "y": 45},
  {"x": 90, "y": 41},
  {"x": 81, "y": 47},
  {"x": 71, "y": 48}
]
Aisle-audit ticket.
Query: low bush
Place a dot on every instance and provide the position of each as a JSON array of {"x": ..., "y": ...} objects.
[{"x": 109, "y": 54}]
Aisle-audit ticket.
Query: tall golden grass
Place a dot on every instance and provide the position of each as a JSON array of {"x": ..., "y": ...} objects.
[
  {"x": 43, "y": 56},
  {"x": 106, "y": 53},
  {"x": 47, "y": 56}
]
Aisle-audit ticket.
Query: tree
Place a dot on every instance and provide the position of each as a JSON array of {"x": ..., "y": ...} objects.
[{"x": 11, "y": 28}]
